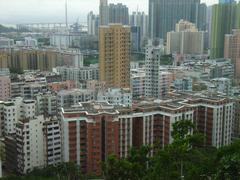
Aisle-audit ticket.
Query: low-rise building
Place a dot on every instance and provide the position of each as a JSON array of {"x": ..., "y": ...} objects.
[
  {"x": 6, "y": 43},
  {"x": 79, "y": 74},
  {"x": 28, "y": 90},
  {"x": 138, "y": 83},
  {"x": 64, "y": 85},
  {"x": 184, "y": 84},
  {"x": 116, "y": 96},
  {"x": 46, "y": 104},
  {"x": 221, "y": 85},
  {"x": 67, "y": 98}
]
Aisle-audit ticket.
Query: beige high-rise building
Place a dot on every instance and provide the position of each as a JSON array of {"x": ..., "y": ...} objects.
[
  {"x": 186, "y": 39},
  {"x": 232, "y": 50},
  {"x": 183, "y": 25},
  {"x": 114, "y": 55}
]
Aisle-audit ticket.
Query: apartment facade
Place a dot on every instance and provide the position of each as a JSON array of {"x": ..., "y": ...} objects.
[
  {"x": 93, "y": 130},
  {"x": 157, "y": 81},
  {"x": 121, "y": 97},
  {"x": 67, "y": 98},
  {"x": 232, "y": 49},
  {"x": 30, "y": 147},
  {"x": 114, "y": 57},
  {"x": 5, "y": 88},
  {"x": 186, "y": 39},
  {"x": 16, "y": 110},
  {"x": 89, "y": 134},
  {"x": 52, "y": 141},
  {"x": 79, "y": 74}
]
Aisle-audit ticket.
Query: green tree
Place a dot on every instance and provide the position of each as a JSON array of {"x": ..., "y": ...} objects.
[
  {"x": 184, "y": 157},
  {"x": 134, "y": 167},
  {"x": 228, "y": 162}
]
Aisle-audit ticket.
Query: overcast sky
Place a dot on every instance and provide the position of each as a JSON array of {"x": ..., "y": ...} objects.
[{"x": 25, "y": 11}]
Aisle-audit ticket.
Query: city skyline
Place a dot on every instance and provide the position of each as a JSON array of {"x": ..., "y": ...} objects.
[{"x": 15, "y": 11}]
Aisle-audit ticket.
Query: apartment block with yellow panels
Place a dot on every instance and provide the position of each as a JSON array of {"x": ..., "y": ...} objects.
[{"x": 114, "y": 55}]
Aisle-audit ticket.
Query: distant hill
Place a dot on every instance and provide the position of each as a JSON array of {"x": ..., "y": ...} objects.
[{"x": 4, "y": 29}]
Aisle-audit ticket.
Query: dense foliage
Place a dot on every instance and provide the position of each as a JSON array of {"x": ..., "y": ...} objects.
[
  {"x": 186, "y": 158},
  {"x": 64, "y": 171}
]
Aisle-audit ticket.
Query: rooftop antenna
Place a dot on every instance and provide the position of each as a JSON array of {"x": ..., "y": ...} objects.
[{"x": 66, "y": 14}]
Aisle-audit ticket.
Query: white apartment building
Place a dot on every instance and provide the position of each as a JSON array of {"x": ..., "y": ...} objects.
[
  {"x": 152, "y": 64},
  {"x": 30, "y": 144},
  {"x": 52, "y": 140},
  {"x": 157, "y": 81},
  {"x": 222, "y": 85},
  {"x": 138, "y": 77},
  {"x": 6, "y": 43},
  {"x": 30, "y": 42},
  {"x": 67, "y": 98},
  {"x": 92, "y": 22},
  {"x": 28, "y": 90},
  {"x": 16, "y": 110},
  {"x": 116, "y": 96},
  {"x": 46, "y": 104},
  {"x": 78, "y": 74},
  {"x": 37, "y": 143}
]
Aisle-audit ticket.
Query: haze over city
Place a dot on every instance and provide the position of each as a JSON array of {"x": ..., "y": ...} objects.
[
  {"x": 27, "y": 11},
  {"x": 119, "y": 89}
]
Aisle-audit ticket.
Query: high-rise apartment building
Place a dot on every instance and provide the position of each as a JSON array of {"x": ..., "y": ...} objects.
[
  {"x": 118, "y": 13},
  {"x": 52, "y": 141},
  {"x": 232, "y": 50},
  {"x": 103, "y": 12},
  {"x": 140, "y": 19},
  {"x": 16, "y": 110},
  {"x": 135, "y": 38},
  {"x": 164, "y": 14},
  {"x": 93, "y": 23},
  {"x": 88, "y": 143},
  {"x": 225, "y": 18},
  {"x": 114, "y": 55},
  {"x": 30, "y": 148},
  {"x": 36, "y": 144},
  {"x": 156, "y": 81},
  {"x": 186, "y": 39}
]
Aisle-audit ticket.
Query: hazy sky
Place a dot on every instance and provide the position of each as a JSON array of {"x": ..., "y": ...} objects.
[{"x": 20, "y": 11}]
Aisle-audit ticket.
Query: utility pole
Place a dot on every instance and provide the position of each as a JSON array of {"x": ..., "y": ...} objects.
[
  {"x": 182, "y": 176},
  {"x": 66, "y": 13}
]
